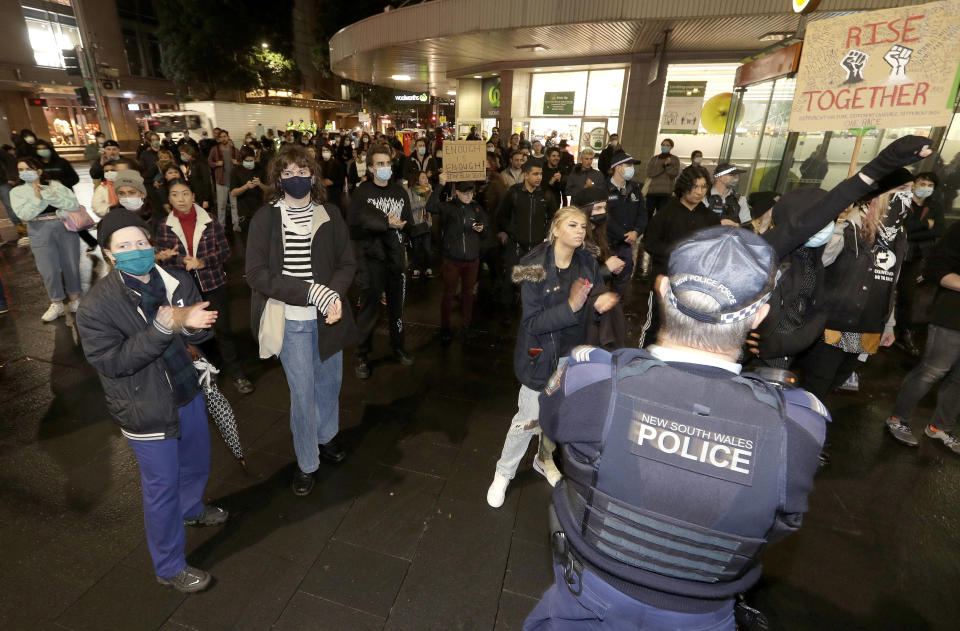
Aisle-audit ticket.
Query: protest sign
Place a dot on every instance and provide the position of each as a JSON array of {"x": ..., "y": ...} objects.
[
  {"x": 465, "y": 160},
  {"x": 890, "y": 68}
]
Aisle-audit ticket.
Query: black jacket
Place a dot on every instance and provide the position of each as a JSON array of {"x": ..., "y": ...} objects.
[
  {"x": 945, "y": 259},
  {"x": 332, "y": 264},
  {"x": 672, "y": 223},
  {"x": 60, "y": 170},
  {"x": 369, "y": 229},
  {"x": 460, "y": 241},
  {"x": 626, "y": 211},
  {"x": 920, "y": 235},
  {"x": 546, "y": 311},
  {"x": 414, "y": 166},
  {"x": 127, "y": 352},
  {"x": 526, "y": 216},
  {"x": 860, "y": 283}
]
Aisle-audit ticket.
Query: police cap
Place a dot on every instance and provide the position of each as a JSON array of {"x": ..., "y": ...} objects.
[{"x": 735, "y": 267}]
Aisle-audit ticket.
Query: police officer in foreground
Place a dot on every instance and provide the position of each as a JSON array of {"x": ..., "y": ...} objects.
[
  {"x": 626, "y": 215},
  {"x": 678, "y": 468}
]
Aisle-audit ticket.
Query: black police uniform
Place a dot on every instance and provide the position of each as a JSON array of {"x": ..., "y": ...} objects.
[
  {"x": 672, "y": 488},
  {"x": 727, "y": 207},
  {"x": 626, "y": 211}
]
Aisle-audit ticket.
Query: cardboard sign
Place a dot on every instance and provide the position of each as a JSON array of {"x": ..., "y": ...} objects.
[
  {"x": 465, "y": 160},
  {"x": 890, "y": 68}
]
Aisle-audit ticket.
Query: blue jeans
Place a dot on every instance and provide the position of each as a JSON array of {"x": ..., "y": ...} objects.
[
  {"x": 314, "y": 391},
  {"x": 57, "y": 253},
  {"x": 941, "y": 360},
  {"x": 600, "y": 606},
  {"x": 173, "y": 473}
]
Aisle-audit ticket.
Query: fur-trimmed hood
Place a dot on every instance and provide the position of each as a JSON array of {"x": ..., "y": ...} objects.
[{"x": 531, "y": 268}]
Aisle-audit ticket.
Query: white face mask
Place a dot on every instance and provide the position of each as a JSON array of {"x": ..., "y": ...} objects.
[
  {"x": 110, "y": 176},
  {"x": 326, "y": 155},
  {"x": 628, "y": 172},
  {"x": 131, "y": 203}
]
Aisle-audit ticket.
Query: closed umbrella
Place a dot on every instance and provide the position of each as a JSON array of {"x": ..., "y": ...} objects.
[{"x": 218, "y": 408}]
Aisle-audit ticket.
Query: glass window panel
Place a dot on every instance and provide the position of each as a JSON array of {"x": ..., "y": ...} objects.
[
  {"x": 604, "y": 92},
  {"x": 558, "y": 82},
  {"x": 567, "y": 129}
]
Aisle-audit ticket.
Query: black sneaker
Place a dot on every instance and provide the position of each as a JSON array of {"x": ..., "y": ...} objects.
[
  {"x": 332, "y": 452},
  {"x": 302, "y": 483},
  {"x": 446, "y": 336},
  {"x": 209, "y": 516},
  {"x": 402, "y": 357},
  {"x": 188, "y": 581},
  {"x": 362, "y": 369},
  {"x": 243, "y": 385}
]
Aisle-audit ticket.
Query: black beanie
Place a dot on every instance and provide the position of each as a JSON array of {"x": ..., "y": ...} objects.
[{"x": 117, "y": 219}]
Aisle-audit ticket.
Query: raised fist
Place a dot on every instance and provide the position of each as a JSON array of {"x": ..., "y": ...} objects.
[
  {"x": 898, "y": 57},
  {"x": 853, "y": 63}
]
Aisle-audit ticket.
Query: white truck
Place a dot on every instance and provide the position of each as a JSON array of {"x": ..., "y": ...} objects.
[{"x": 237, "y": 118}]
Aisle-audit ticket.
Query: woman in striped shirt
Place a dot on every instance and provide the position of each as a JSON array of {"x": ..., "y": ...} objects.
[{"x": 299, "y": 265}]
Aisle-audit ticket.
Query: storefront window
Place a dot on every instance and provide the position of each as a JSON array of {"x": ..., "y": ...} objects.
[
  {"x": 558, "y": 93},
  {"x": 719, "y": 78},
  {"x": 604, "y": 92}
]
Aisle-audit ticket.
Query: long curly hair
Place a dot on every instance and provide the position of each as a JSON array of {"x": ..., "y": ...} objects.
[{"x": 297, "y": 155}]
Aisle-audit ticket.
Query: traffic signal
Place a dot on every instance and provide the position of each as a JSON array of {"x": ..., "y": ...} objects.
[
  {"x": 71, "y": 62},
  {"x": 83, "y": 95},
  {"x": 433, "y": 118}
]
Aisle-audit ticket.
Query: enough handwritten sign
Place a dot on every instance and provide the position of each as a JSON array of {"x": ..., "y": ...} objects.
[
  {"x": 465, "y": 160},
  {"x": 890, "y": 68}
]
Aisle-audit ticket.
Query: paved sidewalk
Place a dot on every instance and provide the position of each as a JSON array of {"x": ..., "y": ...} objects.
[{"x": 400, "y": 536}]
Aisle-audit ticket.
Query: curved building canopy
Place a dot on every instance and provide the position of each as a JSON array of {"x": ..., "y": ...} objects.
[{"x": 435, "y": 42}]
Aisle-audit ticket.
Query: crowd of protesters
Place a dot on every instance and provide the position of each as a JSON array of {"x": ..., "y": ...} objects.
[{"x": 333, "y": 227}]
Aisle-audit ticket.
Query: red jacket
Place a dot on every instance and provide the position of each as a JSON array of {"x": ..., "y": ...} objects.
[{"x": 209, "y": 245}]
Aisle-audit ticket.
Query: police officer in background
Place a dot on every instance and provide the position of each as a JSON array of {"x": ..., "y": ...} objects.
[
  {"x": 626, "y": 215},
  {"x": 723, "y": 199},
  {"x": 665, "y": 507}
]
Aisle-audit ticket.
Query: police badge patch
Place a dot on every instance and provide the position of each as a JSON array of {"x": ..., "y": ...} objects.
[{"x": 554, "y": 382}]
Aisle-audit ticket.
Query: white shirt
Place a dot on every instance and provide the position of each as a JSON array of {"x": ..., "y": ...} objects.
[{"x": 689, "y": 357}]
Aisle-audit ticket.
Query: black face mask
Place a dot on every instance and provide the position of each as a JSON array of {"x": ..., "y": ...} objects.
[
  {"x": 297, "y": 187},
  {"x": 598, "y": 219}
]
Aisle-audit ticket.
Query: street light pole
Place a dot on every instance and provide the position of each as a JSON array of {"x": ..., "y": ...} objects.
[{"x": 88, "y": 49}]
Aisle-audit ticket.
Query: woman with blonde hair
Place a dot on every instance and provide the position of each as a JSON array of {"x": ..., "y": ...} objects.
[{"x": 556, "y": 279}]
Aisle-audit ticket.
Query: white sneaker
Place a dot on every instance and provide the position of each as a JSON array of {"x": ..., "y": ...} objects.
[
  {"x": 74, "y": 305},
  {"x": 23, "y": 242},
  {"x": 852, "y": 384},
  {"x": 54, "y": 311},
  {"x": 947, "y": 439},
  {"x": 497, "y": 491},
  {"x": 548, "y": 470}
]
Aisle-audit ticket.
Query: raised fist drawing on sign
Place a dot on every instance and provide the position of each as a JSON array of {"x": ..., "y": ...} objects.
[
  {"x": 853, "y": 63},
  {"x": 898, "y": 57}
]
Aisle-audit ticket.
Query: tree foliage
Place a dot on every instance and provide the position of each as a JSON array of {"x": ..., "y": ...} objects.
[{"x": 210, "y": 45}]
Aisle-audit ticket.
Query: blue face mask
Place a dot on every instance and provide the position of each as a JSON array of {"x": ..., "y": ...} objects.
[
  {"x": 922, "y": 192},
  {"x": 628, "y": 172},
  {"x": 664, "y": 149},
  {"x": 44, "y": 153},
  {"x": 822, "y": 237},
  {"x": 29, "y": 176},
  {"x": 136, "y": 262},
  {"x": 384, "y": 173}
]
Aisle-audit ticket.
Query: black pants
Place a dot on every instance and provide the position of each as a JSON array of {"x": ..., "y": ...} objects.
[
  {"x": 221, "y": 349},
  {"x": 825, "y": 368},
  {"x": 492, "y": 256},
  {"x": 374, "y": 278},
  {"x": 906, "y": 292},
  {"x": 87, "y": 238},
  {"x": 655, "y": 203}
]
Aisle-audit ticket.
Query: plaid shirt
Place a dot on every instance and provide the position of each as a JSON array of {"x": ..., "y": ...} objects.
[{"x": 211, "y": 248}]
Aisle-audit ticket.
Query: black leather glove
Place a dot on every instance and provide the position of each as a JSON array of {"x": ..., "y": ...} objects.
[{"x": 899, "y": 153}]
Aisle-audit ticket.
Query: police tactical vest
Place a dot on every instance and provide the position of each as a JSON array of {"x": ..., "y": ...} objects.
[
  {"x": 689, "y": 478},
  {"x": 727, "y": 207}
]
